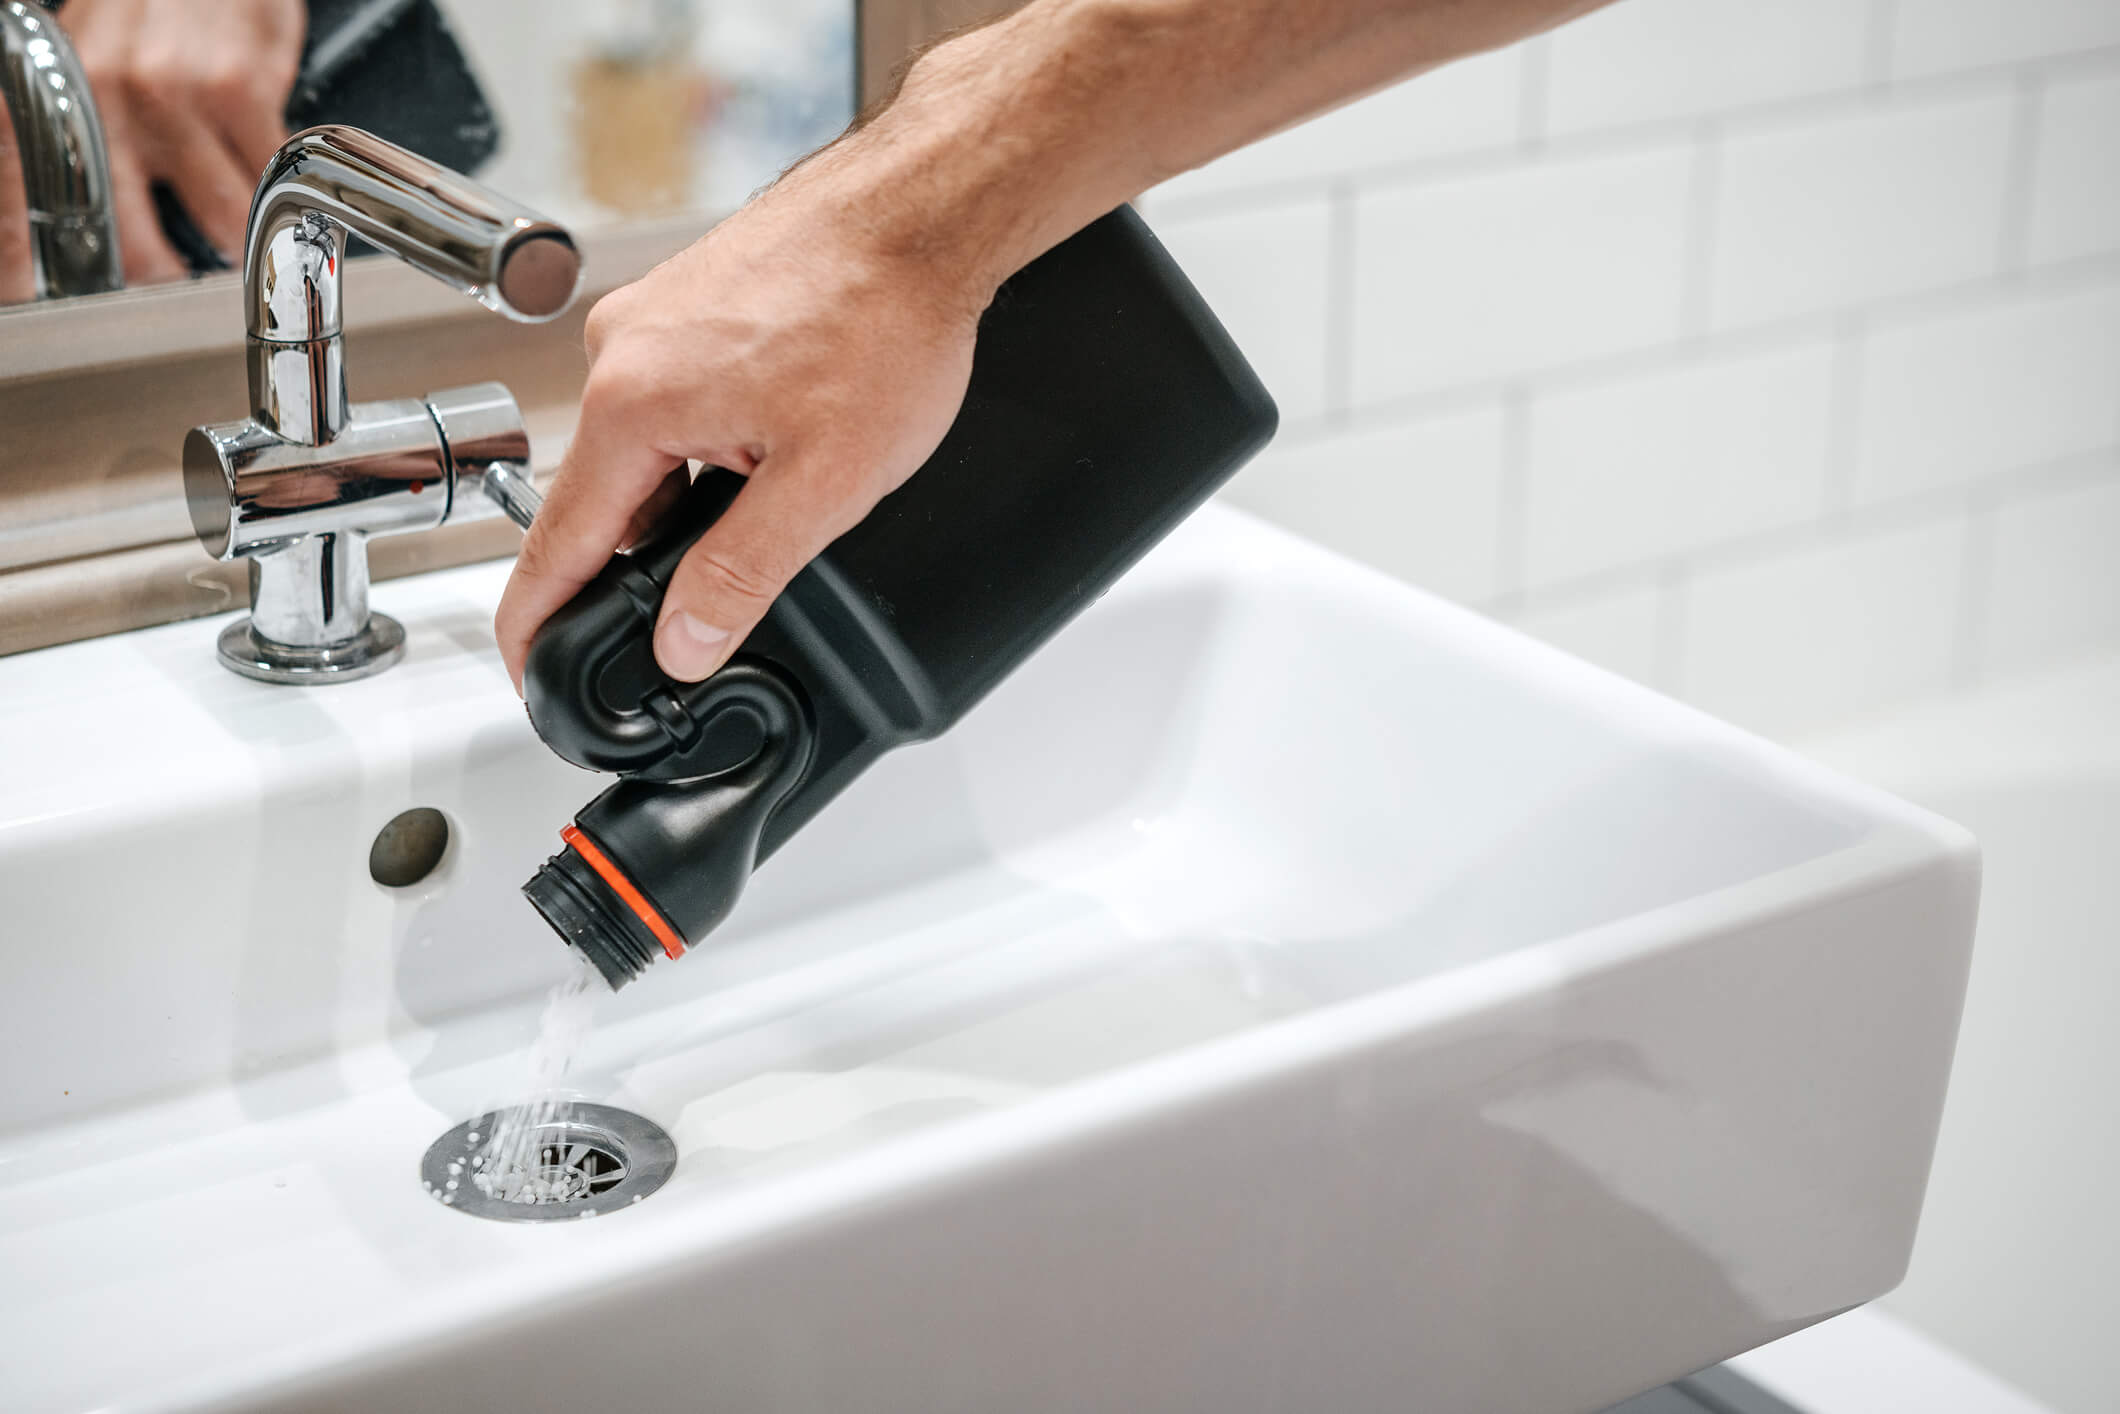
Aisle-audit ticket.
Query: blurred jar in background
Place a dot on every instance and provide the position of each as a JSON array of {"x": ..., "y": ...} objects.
[{"x": 640, "y": 108}]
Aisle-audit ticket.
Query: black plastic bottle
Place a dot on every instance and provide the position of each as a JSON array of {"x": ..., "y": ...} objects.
[{"x": 1105, "y": 404}]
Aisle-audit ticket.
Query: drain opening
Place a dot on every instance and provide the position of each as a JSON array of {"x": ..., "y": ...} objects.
[
  {"x": 563, "y": 1163},
  {"x": 583, "y": 1160}
]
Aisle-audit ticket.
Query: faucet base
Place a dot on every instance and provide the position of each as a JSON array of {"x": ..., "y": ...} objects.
[{"x": 243, "y": 650}]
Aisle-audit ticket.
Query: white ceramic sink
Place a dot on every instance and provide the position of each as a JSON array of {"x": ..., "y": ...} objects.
[{"x": 1290, "y": 992}]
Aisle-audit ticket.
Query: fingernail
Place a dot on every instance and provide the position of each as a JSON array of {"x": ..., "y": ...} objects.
[{"x": 686, "y": 648}]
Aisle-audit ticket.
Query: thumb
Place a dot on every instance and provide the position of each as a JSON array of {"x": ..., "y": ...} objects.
[{"x": 728, "y": 580}]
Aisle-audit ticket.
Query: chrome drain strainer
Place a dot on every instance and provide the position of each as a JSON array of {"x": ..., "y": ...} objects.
[{"x": 579, "y": 1160}]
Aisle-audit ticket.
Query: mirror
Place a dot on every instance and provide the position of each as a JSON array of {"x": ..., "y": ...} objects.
[{"x": 600, "y": 113}]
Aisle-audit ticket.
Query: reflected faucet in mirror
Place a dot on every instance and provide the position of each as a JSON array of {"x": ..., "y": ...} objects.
[
  {"x": 72, "y": 233},
  {"x": 297, "y": 487}
]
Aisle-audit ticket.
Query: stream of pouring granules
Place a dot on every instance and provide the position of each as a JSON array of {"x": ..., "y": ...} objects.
[{"x": 508, "y": 1165}]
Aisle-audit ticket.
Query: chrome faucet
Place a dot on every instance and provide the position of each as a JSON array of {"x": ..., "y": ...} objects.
[
  {"x": 299, "y": 485},
  {"x": 65, "y": 171}
]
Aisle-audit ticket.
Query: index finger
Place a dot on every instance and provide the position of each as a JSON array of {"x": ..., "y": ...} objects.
[{"x": 602, "y": 481}]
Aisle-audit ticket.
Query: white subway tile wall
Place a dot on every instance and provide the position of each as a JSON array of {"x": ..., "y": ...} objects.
[
  {"x": 1650, "y": 60},
  {"x": 1793, "y": 642},
  {"x": 1466, "y": 107},
  {"x": 1431, "y": 492},
  {"x": 2076, "y": 184},
  {"x": 1768, "y": 353},
  {"x": 1815, "y": 213},
  {"x": 2053, "y": 578},
  {"x": 2018, "y": 379},
  {"x": 1937, "y": 36},
  {"x": 1708, "y": 450},
  {"x": 1485, "y": 277}
]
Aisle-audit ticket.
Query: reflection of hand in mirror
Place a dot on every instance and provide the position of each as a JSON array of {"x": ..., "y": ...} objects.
[
  {"x": 18, "y": 277},
  {"x": 191, "y": 93}
]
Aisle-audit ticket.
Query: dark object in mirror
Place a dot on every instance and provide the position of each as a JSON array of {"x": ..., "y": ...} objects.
[{"x": 391, "y": 67}]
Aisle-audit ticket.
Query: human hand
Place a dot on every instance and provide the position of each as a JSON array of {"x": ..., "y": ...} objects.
[
  {"x": 819, "y": 341},
  {"x": 18, "y": 275},
  {"x": 191, "y": 93},
  {"x": 798, "y": 344}
]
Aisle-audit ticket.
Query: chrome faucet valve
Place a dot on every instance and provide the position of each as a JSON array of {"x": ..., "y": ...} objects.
[{"x": 297, "y": 487}]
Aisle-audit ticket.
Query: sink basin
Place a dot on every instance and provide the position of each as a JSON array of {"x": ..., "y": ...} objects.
[{"x": 1289, "y": 992}]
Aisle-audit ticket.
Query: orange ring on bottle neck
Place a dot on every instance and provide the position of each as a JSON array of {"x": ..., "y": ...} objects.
[{"x": 673, "y": 944}]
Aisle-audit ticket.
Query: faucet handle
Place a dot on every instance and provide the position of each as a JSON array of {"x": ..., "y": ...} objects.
[
  {"x": 488, "y": 451},
  {"x": 303, "y": 516},
  {"x": 335, "y": 178},
  {"x": 405, "y": 464}
]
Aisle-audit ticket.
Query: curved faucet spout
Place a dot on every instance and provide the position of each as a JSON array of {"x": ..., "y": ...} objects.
[
  {"x": 327, "y": 181},
  {"x": 65, "y": 171}
]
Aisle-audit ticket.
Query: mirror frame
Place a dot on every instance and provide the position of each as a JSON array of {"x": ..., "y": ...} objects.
[{"x": 95, "y": 391}]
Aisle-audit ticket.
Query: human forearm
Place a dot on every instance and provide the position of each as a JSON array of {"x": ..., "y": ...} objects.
[{"x": 1005, "y": 140}]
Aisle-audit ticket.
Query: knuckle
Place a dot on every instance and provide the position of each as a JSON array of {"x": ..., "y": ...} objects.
[
  {"x": 164, "y": 74},
  {"x": 106, "y": 76},
  {"x": 273, "y": 80},
  {"x": 625, "y": 385},
  {"x": 605, "y": 318},
  {"x": 229, "y": 84},
  {"x": 533, "y": 558},
  {"x": 610, "y": 392},
  {"x": 139, "y": 87},
  {"x": 751, "y": 584}
]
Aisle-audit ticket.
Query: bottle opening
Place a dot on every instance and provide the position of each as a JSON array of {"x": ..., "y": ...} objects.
[{"x": 591, "y": 904}]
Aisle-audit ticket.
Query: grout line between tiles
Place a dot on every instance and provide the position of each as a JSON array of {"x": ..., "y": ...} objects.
[
  {"x": 1667, "y": 660},
  {"x": 1703, "y": 210},
  {"x": 1534, "y": 83},
  {"x": 2053, "y": 478},
  {"x": 1879, "y": 42},
  {"x": 2013, "y": 235},
  {"x": 1844, "y": 428},
  {"x": 1975, "y": 579},
  {"x": 1512, "y": 517},
  {"x": 1339, "y": 304}
]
